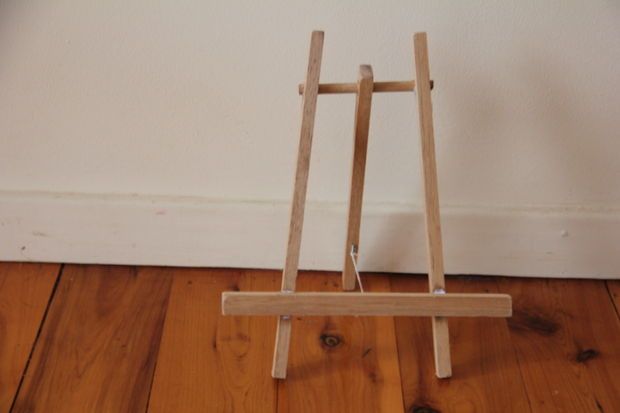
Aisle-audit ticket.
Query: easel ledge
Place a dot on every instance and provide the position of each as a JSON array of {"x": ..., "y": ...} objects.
[{"x": 366, "y": 304}]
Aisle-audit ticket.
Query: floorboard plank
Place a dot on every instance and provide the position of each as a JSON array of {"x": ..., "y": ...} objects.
[
  {"x": 341, "y": 364},
  {"x": 25, "y": 290},
  {"x": 485, "y": 373},
  {"x": 567, "y": 338},
  {"x": 209, "y": 362},
  {"x": 98, "y": 346}
]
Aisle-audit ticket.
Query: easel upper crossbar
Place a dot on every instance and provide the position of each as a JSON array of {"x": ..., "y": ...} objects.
[{"x": 341, "y": 88}]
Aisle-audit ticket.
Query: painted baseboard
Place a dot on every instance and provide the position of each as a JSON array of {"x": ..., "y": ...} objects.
[{"x": 188, "y": 231}]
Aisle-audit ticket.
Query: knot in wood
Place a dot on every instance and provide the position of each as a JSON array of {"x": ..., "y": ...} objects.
[
  {"x": 586, "y": 355},
  {"x": 330, "y": 340}
]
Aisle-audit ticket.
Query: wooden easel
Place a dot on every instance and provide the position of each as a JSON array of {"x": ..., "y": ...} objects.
[{"x": 436, "y": 303}]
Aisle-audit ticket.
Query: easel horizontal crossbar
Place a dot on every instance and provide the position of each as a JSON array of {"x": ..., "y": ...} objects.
[
  {"x": 366, "y": 304},
  {"x": 333, "y": 88}
]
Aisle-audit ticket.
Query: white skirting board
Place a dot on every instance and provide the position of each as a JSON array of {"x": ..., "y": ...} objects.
[{"x": 191, "y": 231}]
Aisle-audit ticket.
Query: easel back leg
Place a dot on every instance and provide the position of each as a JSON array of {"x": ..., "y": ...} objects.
[{"x": 358, "y": 169}]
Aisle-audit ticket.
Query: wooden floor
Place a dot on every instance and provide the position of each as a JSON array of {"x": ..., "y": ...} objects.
[{"x": 92, "y": 338}]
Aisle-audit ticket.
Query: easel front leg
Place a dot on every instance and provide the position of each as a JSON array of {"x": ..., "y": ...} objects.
[
  {"x": 360, "y": 148},
  {"x": 289, "y": 276},
  {"x": 441, "y": 339}
]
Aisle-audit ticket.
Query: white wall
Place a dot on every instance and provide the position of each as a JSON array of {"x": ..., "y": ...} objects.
[{"x": 194, "y": 103}]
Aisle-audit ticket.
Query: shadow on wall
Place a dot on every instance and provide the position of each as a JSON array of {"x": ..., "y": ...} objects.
[
  {"x": 566, "y": 140},
  {"x": 394, "y": 247},
  {"x": 570, "y": 141}
]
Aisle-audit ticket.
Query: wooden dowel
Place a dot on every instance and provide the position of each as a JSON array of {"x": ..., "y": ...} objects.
[
  {"x": 366, "y": 304},
  {"x": 337, "y": 88}
]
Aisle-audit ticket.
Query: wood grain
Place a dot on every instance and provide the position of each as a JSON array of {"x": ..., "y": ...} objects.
[
  {"x": 363, "y": 104},
  {"x": 367, "y": 304},
  {"x": 341, "y": 364},
  {"x": 298, "y": 205},
  {"x": 98, "y": 346},
  {"x": 99, "y": 342},
  {"x": 441, "y": 340},
  {"x": 209, "y": 362},
  {"x": 567, "y": 339},
  {"x": 25, "y": 290},
  {"x": 486, "y": 373}
]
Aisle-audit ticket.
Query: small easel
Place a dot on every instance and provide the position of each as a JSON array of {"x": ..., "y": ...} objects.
[{"x": 436, "y": 303}]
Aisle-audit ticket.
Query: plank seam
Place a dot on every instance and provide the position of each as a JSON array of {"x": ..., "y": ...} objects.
[
  {"x": 613, "y": 301},
  {"x": 163, "y": 327},
  {"x": 516, "y": 354},
  {"x": 36, "y": 339}
]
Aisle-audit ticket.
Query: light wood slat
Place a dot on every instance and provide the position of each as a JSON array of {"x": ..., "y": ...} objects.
[
  {"x": 441, "y": 340},
  {"x": 291, "y": 264},
  {"x": 367, "y": 304},
  {"x": 378, "y": 87},
  {"x": 99, "y": 343},
  {"x": 208, "y": 362},
  {"x": 25, "y": 290},
  {"x": 358, "y": 169},
  {"x": 341, "y": 364},
  {"x": 567, "y": 338}
]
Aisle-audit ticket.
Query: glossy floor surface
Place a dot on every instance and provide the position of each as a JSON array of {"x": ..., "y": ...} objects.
[{"x": 89, "y": 338}]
